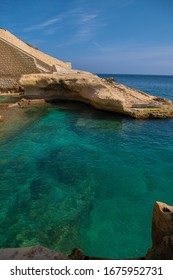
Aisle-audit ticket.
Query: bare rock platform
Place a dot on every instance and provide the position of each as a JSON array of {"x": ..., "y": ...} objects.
[{"x": 103, "y": 94}]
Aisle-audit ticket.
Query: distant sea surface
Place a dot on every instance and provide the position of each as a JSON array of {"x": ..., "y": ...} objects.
[{"x": 73, "y": 176}]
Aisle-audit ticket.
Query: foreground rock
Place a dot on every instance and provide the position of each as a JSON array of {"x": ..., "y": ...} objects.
[
  {"x": 26, "y": 103},
  {"x": 42, "y": 253},
  {"x": 162, "y": 233},
  {"x": 101, "y": 93},
  {"x": 31, "y": 253}
]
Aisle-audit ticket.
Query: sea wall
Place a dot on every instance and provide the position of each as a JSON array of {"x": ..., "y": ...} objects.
[
  {"x": 13, "y": 62},
  {"x": 10, "y": 85}
]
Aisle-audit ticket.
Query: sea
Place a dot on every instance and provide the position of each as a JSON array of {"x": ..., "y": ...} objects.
[{"x": 73, "y": 176}]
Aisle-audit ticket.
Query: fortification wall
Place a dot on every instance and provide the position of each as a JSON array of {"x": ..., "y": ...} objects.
[
  {"x": 32, "y": 51},
  {"x": 14, "y": 62},
  {"x": 9, "y": 84}
]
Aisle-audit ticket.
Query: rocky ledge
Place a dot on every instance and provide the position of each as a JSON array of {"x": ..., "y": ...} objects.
[{"x": 104, "y": 94}]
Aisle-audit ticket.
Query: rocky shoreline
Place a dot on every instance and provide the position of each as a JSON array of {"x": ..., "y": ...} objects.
[
  {"x": 162, "y": 243},
  {"x": 46, "y": 86},
  {"x": 107, "y": 95},
  {"x": 102, "y": 94}
]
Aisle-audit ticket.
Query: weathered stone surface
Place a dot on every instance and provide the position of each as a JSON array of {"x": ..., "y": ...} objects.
[
  {"x": 100, "y": 93},
  {"x": 162, "y": 232},
  {"x": 26, "y": 102},
  {"x": 31, "y": 253},
  {"x": 163, "y": 251},
  {"x": 162, "y": 222},
  {"x": 42, "y": 253}
]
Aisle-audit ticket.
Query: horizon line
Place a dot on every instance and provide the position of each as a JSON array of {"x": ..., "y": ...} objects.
[{"x": 133, "y": 74}]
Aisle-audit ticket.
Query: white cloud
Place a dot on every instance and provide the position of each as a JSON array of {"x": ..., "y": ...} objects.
[
  {"x": 81, "y": 24},
  {"x": 86, "y": 18},
  {"x": 87, "y": 24},
  {"x": 43, "y": 24},
  {"x": 67, "y": 15}
]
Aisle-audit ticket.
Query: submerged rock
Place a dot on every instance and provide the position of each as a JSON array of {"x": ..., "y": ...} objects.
[
  {"x": 162, "y": 242},
  {"x": 100, "y": 93}
]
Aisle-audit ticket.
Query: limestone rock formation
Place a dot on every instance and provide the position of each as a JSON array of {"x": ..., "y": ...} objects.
[
  {"x": 100, "y": 93},
  {"x": 162, "y": 222},
  {"x": 164, "y": 251},
  {"x": 162, "y": 232},
  {"x": 25, "y": 103},
  {"x": 31, "y": 253}
]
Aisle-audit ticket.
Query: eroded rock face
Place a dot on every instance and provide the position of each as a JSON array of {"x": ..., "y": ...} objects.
[
  {"x": 162, "y": 232},
  {"x": 100, "y": 93},
  {"x": 162, "y": 222},
  {"x": 163, "y": 251}
]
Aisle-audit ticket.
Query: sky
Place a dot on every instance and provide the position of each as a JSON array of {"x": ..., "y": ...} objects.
[{"x": 100, "y": 36}]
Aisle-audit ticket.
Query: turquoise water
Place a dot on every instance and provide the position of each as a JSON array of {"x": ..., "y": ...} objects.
[{"x": 75, "y": 176}]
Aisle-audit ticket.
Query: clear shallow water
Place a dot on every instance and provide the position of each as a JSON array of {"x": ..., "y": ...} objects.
[{"x": 75, "y": 176}]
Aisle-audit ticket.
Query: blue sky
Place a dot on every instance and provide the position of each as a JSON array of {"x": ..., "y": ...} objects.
[{"x": 100, "y": 36}]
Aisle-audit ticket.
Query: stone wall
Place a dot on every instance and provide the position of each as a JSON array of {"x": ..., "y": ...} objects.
[
  {"x": 11, "y": 39},
  {"x": 14, "y": 62},
  {"x": 9, "y": 84}
]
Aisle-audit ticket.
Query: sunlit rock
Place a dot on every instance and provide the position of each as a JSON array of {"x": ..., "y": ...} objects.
[{"x": 100, "y": 93}]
